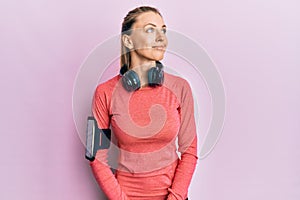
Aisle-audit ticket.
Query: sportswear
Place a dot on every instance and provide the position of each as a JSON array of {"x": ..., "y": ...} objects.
[{"x": 147, "y": 123}]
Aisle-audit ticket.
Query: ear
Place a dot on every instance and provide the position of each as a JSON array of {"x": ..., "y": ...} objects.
[{"x": 127, "y": 41}]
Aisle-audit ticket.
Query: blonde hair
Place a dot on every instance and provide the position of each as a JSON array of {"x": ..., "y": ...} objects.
[{"x": 128, "y": 21}]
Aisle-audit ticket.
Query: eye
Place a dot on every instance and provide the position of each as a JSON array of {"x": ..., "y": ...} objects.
[
  {"x": 164, "y": 30},
  {"x": 150, "y": 30}
]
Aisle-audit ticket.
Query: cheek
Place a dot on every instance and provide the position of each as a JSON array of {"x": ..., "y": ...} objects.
[
  {"x": 166, "y": 41},
  {"x": 143, "y": 42},
  {"x": 146, "y": 52}
]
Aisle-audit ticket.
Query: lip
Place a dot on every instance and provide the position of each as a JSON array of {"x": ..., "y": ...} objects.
[{"x": 160, "y": 47}]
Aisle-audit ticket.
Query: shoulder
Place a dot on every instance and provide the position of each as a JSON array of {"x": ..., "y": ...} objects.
[
  {"x": 176, "y": 83},
  {"x": 107, "y": 86},
  {"x": 180, "y": 87}
]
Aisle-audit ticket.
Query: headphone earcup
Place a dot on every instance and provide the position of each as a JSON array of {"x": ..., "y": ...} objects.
[
  {"x": 155, "y": 76},
  {"x": 131, "y": 81}
]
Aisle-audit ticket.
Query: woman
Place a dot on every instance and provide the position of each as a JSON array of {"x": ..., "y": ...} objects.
[{"x": 147, "y": 109}]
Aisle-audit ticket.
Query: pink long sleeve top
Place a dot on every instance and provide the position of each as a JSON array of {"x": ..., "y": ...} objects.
[{"x": 147, "y": 123}]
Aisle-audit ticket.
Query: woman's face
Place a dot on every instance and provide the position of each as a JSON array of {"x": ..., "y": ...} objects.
[{"x": 148, "y": 36}]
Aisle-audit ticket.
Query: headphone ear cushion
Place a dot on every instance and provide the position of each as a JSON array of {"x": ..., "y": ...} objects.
[
  {"x": 155, "y": 76},
  {"x": 131, "y": 81}
]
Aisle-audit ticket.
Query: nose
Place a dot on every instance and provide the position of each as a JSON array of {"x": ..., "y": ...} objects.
[{"x": 160, "y": 37}]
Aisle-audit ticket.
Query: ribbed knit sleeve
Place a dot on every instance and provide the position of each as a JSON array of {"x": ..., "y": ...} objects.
[
  {"x": 101, "y": 170},
  {"x": 137, "y": 177},
  {"x": 106, "y": 178},
  {"x": 187, "y": 142}
]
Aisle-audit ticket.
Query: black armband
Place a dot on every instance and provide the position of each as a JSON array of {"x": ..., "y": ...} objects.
[{"x": 95, "y": 139}]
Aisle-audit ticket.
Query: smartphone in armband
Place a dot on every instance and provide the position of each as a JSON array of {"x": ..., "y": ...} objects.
[{"x": 95, "y": 138}]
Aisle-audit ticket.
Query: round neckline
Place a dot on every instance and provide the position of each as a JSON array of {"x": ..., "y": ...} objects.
[{"x": 145, "y": 88}]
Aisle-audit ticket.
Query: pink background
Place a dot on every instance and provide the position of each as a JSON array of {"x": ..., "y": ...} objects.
[{"x": 253, "y": 43}]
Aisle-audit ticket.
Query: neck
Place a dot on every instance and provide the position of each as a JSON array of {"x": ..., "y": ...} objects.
[{"x": 141, "y": 67}]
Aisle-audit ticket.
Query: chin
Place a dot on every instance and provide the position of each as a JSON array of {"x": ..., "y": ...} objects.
[{"x": 158, "y": 57}]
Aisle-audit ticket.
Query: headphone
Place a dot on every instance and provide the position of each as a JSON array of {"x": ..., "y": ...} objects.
[{"x": 131, "y": 81}]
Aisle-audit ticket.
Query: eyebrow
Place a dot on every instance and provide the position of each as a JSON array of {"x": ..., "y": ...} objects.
[{"x": 164, "y": 26}]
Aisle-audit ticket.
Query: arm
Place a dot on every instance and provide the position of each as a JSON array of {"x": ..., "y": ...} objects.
[
  {"x": 106, "y": 178},
  {"x": 100, "y": 168},
  {"x": 187, "y": 142}
]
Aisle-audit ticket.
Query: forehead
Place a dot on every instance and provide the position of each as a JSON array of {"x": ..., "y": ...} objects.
[{"x": 148, "y": 17}]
